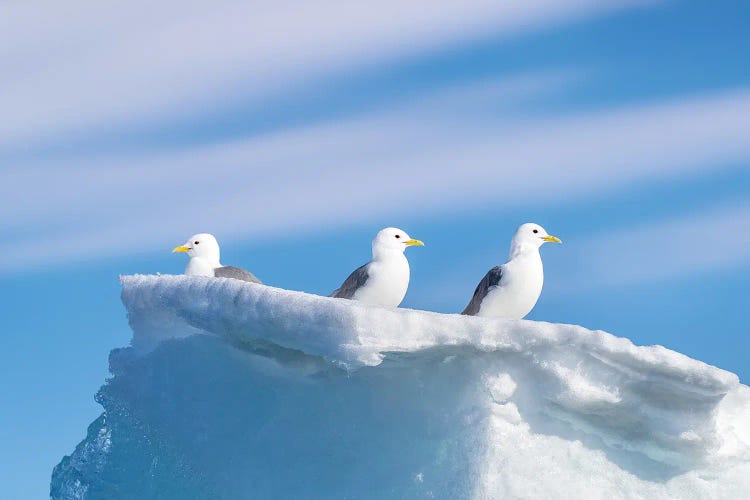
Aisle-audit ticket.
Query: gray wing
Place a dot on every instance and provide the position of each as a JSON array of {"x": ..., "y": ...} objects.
[
  {"x": 236, "y": 273},
  {"x": 491, "y": 279},
  {"x": 354, "y": 282}
]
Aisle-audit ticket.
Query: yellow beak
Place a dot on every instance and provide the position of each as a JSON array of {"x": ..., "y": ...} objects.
[
  {"x": 412, "y": 242},
  {"x": 552, "y": 239},
  {"x": 181, "y": 248}
]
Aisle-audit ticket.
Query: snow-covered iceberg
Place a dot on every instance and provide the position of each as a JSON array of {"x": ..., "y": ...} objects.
[{"x": 283, "y": 394}]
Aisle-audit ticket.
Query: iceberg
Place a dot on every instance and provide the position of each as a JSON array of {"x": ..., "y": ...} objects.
[{"x": 239, "y": 390}]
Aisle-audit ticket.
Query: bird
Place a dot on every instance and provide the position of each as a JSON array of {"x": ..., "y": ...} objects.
[
  {"x": 204, "y": 253},
  {"x": 383, "y": 280},
  {"x": 511, "y": 290}
]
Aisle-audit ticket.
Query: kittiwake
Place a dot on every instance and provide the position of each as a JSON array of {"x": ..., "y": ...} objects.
[
  {"x": 204, "y": 253},
  {"x": 385, "y": 278},
  {"x": 511, "y": 290}
]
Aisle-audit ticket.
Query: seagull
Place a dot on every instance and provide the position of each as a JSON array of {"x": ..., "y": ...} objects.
[
  {"x": 385, "y": 278},
  {"x": 511, "y": 290},
  {"x": 203, "y": 250}
]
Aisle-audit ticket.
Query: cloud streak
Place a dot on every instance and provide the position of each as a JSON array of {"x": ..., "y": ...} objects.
[
  {"x": 340, "y": 172},
  {"x": 686, "y": 247},
  {"x": 110, "y": 66}
]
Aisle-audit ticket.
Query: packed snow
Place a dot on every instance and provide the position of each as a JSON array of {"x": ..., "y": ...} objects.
[{"x": 240, "y": 390}]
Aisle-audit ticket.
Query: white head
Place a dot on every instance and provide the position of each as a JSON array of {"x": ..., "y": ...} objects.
[
  {"x": 529, "y": 237},
  {"x": 202, "y": 246},
  {"x": 392, "y": 239}
]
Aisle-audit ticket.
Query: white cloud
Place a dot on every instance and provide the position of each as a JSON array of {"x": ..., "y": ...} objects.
[
  {"x": 410, "y": 159},
  {"x": 688, "y": 247},
  {"x": 75, "y": 65}
]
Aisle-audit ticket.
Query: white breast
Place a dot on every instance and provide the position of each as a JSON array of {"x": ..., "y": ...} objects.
[
  {"x": 199, "y": 267},
  {"x": 519, "y": 289},
  {"x": 387, "y": 283}
]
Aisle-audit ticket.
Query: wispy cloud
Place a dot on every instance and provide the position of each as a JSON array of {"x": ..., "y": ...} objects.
[
  {"x": 359, "y": 169},
  {"x": 73, "y": 66},
  {"x": 690, "y": 247}
]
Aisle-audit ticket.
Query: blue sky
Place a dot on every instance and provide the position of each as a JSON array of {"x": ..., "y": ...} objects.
[{"x": 294, "y": 131}]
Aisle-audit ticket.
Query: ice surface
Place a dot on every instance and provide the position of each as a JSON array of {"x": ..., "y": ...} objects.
[{"x": 291, "y": 395}]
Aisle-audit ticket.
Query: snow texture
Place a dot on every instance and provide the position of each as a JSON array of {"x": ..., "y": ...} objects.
[{"x": 290, "y": 395}]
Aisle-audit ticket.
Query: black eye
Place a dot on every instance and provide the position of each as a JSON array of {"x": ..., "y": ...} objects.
[
  {"x": 535, "y": 231},
  {"x": 398, "y": 236},
  {"x": 198, "y": 242}
]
